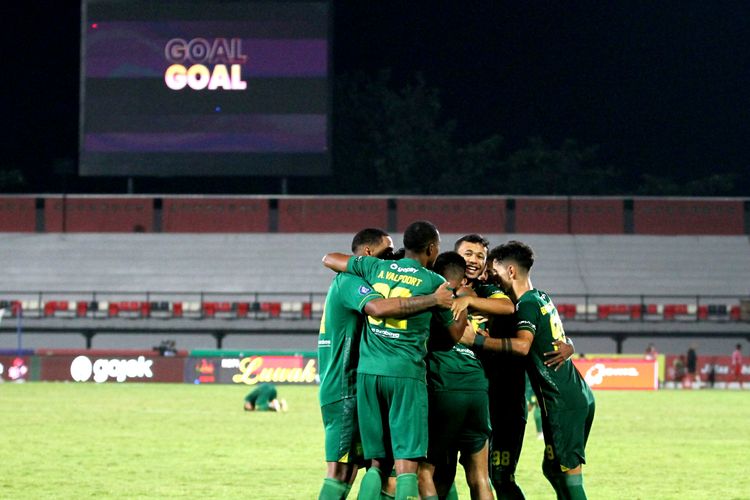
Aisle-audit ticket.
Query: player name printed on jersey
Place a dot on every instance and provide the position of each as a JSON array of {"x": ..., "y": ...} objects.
[{"x": 619, "y": 373}]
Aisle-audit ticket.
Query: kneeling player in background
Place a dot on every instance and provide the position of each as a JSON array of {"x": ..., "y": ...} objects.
[{"x": 264, "y": 398}]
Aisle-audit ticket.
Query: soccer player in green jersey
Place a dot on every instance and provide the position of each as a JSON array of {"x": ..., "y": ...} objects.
[
  {"x": 566, "y": 400},
  {"x": 391, "y": 387},
  {"x": 506, "y": 375},
  {"x": 459, "y": 419},
  {"x": 338, "y": 354},
  {"x": 264, "y": 398}
]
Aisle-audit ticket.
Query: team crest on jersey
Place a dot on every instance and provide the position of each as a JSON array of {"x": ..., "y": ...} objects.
[{"x": 363, "y": 290}]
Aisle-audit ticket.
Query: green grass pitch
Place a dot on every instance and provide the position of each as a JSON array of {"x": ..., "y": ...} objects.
[{"x": 66, "y": 440}]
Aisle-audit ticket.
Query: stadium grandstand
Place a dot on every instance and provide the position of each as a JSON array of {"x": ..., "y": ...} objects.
[{"x": 129, "y": 271}]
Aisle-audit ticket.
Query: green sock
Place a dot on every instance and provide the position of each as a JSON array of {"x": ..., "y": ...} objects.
[
  {"x": 506, "y": 487},
  {"x": 574, "y": 484},
  {"x": 386, "y": 496},
  {"x": 332, "y": 489},
  {"x": 369, "y": 488},
  {"x": 558, "y": 484},
  {"x": 452, "y": 493},
  {"x": 538, "y": 419},
  {"x": 406, "y": 487},
  {"x": 433, "y": 497}
]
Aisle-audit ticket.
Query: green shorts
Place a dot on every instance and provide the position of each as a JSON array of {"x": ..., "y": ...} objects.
[
  {"x": 458, "y": 421},
  {"x": 343, "y": 443},
  {"x": 565, "y": 435},
  {"x": 392, "y": 415}
]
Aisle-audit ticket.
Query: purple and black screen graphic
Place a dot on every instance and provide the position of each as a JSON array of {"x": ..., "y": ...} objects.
[{"x": 205, "y": 88}]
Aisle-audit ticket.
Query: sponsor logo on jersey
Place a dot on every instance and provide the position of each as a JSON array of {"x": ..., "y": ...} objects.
[{"x": 396, "y": 268}]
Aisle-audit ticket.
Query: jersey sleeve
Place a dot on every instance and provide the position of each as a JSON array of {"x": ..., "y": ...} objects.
[
  {"x": 362, "y": 266},
  {"x": 491, "y": 291},
  {"x": 355, "y": 293},
  {"x": 527, "y": 315},
  {"x": 443, "y": 316}
]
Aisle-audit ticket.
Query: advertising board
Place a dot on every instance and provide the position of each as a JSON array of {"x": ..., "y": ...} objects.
[{"x": 619, "y": 373}]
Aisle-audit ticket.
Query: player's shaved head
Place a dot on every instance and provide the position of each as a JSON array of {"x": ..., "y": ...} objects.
[
  {"x": 450, "y": 265},
  {"x": 419, "y": 235},
  {"x": 514, "y": 251}
]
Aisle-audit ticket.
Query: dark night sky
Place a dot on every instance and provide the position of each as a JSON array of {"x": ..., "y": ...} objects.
[{"x": 658, "y": 85}]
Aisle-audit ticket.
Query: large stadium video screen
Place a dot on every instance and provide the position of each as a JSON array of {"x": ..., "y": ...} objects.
[{"x": 204, "y": 88}]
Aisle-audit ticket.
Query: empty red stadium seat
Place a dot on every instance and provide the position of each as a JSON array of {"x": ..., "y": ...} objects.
[
  {"x": 734, "y": 313},
  {"x": 209, "y": 309},
  {"x": 307, "y": 310},
  {"x": 242, "y": 309},
  {"x": 702, "y": 312},
  {"x": 636, "y": 311},
  {"x": 81, "y": 309},
  {"x": 603, "y": 310},
  {"x": 272, "y": 308}
]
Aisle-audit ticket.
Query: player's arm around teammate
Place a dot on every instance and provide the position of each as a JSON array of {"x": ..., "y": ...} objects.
[{"x": 567, "y": 401}]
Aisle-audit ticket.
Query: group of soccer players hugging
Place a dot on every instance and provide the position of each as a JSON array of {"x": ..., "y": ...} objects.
[{"x": 423, "y": 360}]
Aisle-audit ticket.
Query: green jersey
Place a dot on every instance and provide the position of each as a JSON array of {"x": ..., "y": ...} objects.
[
  {"x": 506, "y": 374},
  {"x": 261, "y": 396},
  {"x": 339, "y": 336},
  {"x": 485, "y": 290},
  {"x": 561, "y": 389},
  {"x": 451, "y": 366},
  {"x": 397, "y": 347}
]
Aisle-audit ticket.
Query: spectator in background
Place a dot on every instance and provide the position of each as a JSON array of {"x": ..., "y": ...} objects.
[
  {"x": 712, "y": 373},
  {"x": 678, "y": 367},
  {"x": 736, "y": 368},
  {"x": 264, "y": 398},
  {"x": 651, "y": 352},
  {"x": 693, "y": 376}
]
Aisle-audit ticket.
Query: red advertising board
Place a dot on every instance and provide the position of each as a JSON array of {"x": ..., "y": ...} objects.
[
  {"x": 454, "y": 215},
  {"x": 597, "y": 216},
  {"x": 709, "y": 369},
  {"x": 99, "y": 215},
  {"x": 113, "y": 366},
  {"x": 15, "y": 368},
  {"x": 17, "y": 215},
  {"x": 331, "y": 215},
  {"x": 252, "y": 370},
  {"x": 671, "y": 217},
  {"x": 619, "y": 373},
  {"x": 542, "y": 215},
  {"x": 214, "y": 215}
]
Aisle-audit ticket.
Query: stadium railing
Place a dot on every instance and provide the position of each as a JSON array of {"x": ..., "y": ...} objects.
[{"x": 74, "y": 305}]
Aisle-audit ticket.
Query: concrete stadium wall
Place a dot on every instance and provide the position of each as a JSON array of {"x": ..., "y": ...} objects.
[{"x": 344, "y": 214}]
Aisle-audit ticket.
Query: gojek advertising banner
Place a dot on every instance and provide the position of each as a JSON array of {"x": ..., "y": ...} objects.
[
  {"x": 110, "y": 366},
  {"x": 619, "y": 373}
]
